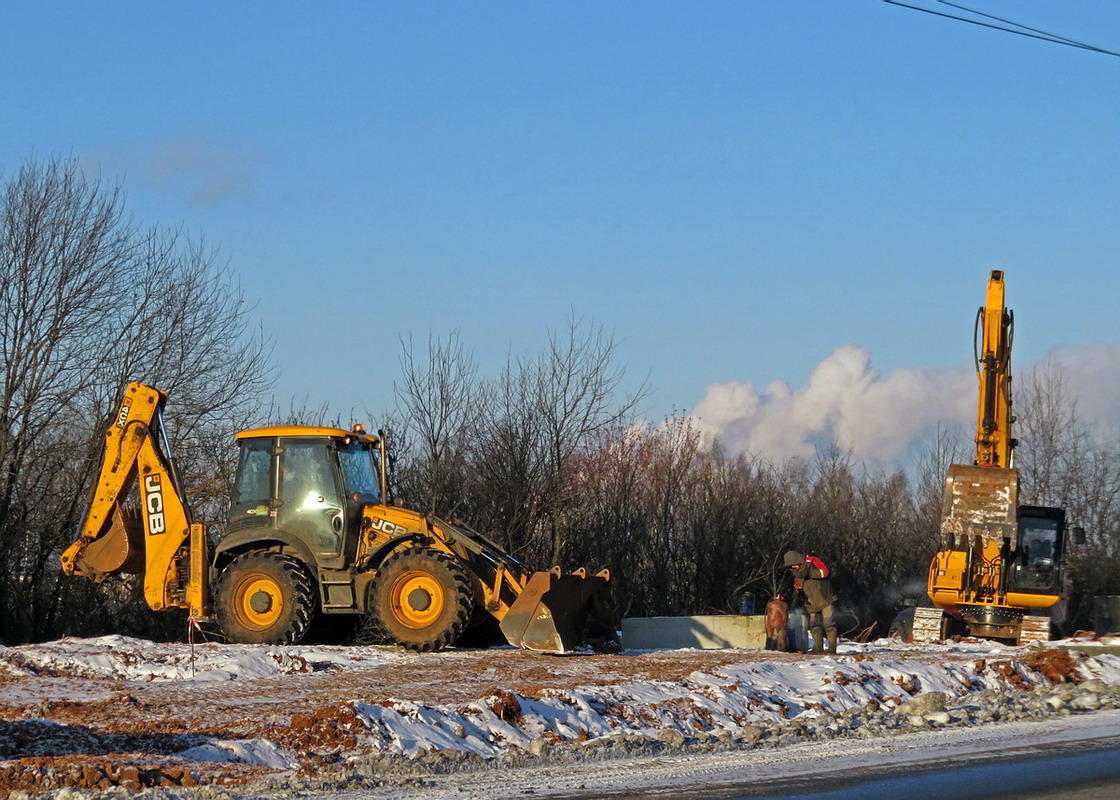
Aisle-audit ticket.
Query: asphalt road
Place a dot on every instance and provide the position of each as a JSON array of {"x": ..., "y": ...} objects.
[
  {"x": 1075, "y": 758},
  {"x": 1066, "y": 772}
]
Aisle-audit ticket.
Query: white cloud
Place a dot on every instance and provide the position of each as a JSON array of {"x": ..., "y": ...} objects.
[
  {"x": 1092, "y": 376},
  {"x": 201, "y": 165},
  {"x": 881, "y": 417}
]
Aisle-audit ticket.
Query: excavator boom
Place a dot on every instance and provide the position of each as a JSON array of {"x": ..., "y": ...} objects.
[{"x": 995, "y": 326}]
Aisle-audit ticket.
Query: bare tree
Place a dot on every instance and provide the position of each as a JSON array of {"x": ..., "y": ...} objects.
[
  {"x": 1064, "y": 464},
  {"x": 510, "y": 461},
  {"x": 439, "y": 402},
  {"x": 1051, "y": 440},
  {"x": 575, "y": 382},
  {"x": 89, "y": 301},
  {"x": 948, "y": 446}
]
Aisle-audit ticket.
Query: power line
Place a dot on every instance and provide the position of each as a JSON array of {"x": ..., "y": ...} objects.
[
  {"x": 1054, "y": 36},
  {"x": 1023, "y": 30}
]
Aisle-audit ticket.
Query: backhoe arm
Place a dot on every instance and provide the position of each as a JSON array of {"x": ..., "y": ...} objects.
[{"x": 158, "y": 540}]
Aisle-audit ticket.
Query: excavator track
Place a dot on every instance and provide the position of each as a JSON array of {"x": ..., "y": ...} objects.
[
  {"x": 927, "y": 625},
  {"x": 1034, "y": 629}
]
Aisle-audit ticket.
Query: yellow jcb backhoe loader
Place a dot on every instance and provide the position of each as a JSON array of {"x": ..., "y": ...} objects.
[
  {"x": 1000, "y": 566},
  {"x": 311, "y": 532}
]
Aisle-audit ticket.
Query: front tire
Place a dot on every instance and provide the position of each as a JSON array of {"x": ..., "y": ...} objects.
[
  {"x": 421, "y": 598},
  {"x": 264, "y": 597}
]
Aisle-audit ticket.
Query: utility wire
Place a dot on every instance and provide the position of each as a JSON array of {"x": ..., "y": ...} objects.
[
  {"x": 1055, "y": 36},
  {"x": 1031, "y": 33}
]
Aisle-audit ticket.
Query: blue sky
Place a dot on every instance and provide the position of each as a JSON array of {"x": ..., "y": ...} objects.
[{"x": 735, "y": 190}]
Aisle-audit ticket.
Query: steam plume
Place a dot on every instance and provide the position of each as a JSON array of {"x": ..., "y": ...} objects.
[{"x": 879, "y": 417}]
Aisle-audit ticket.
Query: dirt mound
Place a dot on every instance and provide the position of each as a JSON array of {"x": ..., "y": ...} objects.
[
  {"x": 326, "y": 731},
  {"x": 44, "y": 739},
  {"x": 1057, "y": 666},
  {"x": 128, "y": 771},
  {"x": 58, "y": 729}
]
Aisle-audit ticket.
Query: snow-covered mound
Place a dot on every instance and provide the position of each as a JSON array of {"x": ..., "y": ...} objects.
[
  {"x": 125, "y": 658},
  {"x": 885, "y": 674},
  {"x": 115, "y": 711}
]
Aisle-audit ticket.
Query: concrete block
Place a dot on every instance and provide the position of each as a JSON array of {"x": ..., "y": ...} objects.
[{"x": 703, "y": 633}]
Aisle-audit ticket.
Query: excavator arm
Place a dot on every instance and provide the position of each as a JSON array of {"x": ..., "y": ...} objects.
[
  {"x": 158, "y": 540},
  {"x": 992, "y": 339},
  {"x": 981, "y": 500}
]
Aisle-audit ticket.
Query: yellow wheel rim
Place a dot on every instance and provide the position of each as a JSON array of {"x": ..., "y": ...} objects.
[
  {"x": 416, "y": 599},
  {"x": 258, "y": 600}
]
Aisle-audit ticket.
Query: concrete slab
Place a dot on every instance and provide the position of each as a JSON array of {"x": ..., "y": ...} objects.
[
  {"x": 702, "y": 633},
  {"x": 1093, "y": 648}
]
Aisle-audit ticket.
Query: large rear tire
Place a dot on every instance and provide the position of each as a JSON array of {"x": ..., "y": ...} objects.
[
  {"x": 421, "y": 598},
  {"x": 264, "y": 597}
]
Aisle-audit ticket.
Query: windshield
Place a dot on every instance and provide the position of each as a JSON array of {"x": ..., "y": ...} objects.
[
  {"x": 358, "y": 470},
  {"x": 1038, "y": 540},
  {"x": 1037, "y": 557}
]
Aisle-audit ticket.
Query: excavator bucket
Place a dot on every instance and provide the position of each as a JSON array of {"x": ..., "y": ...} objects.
[
  {"x": 121, "y": 549},
  {"x": 555, "y": 613},
  {"x": 979, "y": 501}
]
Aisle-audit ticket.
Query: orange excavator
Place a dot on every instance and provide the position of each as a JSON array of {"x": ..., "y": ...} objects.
[
  {"x": 312, "y": 533},
  {"x": 1000, "y": 566}
]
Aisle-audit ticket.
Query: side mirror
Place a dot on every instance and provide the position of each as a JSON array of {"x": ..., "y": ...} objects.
[{"x": 1077, "y": 535}]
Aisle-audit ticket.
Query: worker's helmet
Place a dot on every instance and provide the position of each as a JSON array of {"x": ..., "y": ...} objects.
[{"x": 793, "y": 558}]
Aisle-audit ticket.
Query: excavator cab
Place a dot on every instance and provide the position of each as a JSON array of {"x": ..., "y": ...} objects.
[{"x": 1036, "y": 567}]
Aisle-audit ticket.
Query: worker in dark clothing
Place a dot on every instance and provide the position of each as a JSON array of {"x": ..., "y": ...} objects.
[{"x": 811, "y": 579}]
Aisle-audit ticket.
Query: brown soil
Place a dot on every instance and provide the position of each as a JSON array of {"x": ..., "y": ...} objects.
[
  {"x": 117, "y": 733},
  {"x": 1057, "y": 666}
]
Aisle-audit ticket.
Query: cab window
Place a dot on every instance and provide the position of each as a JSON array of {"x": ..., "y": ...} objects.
[
  {"x": 358, "y": 471},
  {"x": 307, "y": 480},
  {"x": 311, "y": 506},
  {"x": 254, "y": 477},
  {"x": 1037, "y": 554}
]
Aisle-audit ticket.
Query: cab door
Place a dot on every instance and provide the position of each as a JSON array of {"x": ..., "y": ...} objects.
[
  {"x": 311, "y": 506},
  {"x": 251, "y": 505}
]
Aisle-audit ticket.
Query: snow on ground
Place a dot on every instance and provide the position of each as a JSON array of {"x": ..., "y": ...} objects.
[
  {"x": 764, "y": 772},
  {"x": 96, "y": 713},
  {"x": 884, "y": 673},
  {"x": 124, "y": 658},
  {"x": 260, "y": 752}
]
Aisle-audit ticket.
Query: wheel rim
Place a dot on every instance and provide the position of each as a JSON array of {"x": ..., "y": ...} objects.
[
  {"x": 416, "y": 599},
  {"x": 258, "y": 601}
]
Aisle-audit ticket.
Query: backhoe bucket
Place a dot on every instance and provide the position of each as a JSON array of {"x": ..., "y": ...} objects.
[
  {"x": 121, "y": 549},
  {"x": 556, "y": 613}
]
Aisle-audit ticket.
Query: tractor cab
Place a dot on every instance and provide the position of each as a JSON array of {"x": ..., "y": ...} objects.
[{"x": 305, "y": 486}]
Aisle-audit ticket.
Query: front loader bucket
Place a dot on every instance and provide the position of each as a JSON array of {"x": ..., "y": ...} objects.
[{"x": 555, "y": 613}]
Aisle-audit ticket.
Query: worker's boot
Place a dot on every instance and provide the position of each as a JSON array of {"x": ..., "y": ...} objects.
[
  {"x": 832, "y": 642},
  {"x": 818, "y": 641}
]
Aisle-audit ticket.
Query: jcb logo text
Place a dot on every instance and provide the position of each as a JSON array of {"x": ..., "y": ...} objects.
[
  {"x": 385, "y": 526},
  {"x": 153, "y": 504}
]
